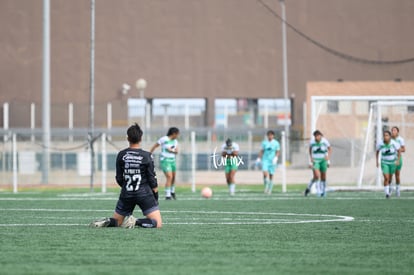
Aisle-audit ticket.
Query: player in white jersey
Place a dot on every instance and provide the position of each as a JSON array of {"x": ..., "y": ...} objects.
[
  {"x": 390, "y": 158},
  {"x": 319, "y": 153},
  {"x": 169, "y": 151},
  {"x": 395, "y": 135},
  {"x": 230, "y": 152}
]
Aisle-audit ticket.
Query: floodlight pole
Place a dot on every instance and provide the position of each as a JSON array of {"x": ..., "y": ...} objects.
[
  {"x": 141, "y": 85},
  {"x": 46, "y": 92},
  {"x": 92, "y": 96},
  {"x": 285, "y": 74},
  {"x": 165, "y": 119}
]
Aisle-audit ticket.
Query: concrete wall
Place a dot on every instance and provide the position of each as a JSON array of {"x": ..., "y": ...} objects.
[{"x": 188, "y": 48}]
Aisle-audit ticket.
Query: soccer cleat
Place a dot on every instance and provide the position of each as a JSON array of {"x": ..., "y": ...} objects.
[
  {"x": 104, "y": 222},
  {"x": 129, "y": 222},
  {"x": 387, "y": 196},
  {"x": 307, "y": 192},
  {"x": 397, "y": 193},
  {"x": 173, "y": 196},
  {"x": 167, "y": 198}
]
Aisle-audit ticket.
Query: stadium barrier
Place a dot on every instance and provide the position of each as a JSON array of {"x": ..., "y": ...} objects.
[{"x": 70, "y": 160}]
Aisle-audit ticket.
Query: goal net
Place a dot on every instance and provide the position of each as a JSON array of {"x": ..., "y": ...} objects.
[{"x": 354, "y": 125}]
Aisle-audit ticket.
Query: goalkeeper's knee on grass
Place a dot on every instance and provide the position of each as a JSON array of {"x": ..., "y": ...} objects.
[
  {"x": 111, "y": 222},
  {"x": 146, "y": 223}
]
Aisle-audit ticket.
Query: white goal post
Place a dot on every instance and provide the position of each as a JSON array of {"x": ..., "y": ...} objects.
[
  {"x": 377, "y": 106},
  {"x": 352, "y": 124},
  {"x": 315, "y": 99}
]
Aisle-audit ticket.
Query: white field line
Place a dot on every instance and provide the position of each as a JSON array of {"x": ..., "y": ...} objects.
[
  {"x": 256, "y": 223},
  {"x": 54, "y": 210},
  {"x": 215, "y": 198},
  {"x": 41, "y": 224},
  {"x": 193, "y": 221},
  {"x": 57, "y": 199},
  {"x": 83, "y": 195},
  {"x": 195, "y": 199}
]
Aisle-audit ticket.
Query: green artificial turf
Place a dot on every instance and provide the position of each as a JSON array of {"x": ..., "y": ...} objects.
[{"x": 250, "y": 233}]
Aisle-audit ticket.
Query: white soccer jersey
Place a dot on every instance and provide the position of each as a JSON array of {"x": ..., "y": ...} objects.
[
  {"x": 400, "y": 141},
  {"x": 389, "y": 152},
  {"x": 229, "y": 150},
  {"x": 167, "y": 143},
  {"x": 319, "y": 150}
]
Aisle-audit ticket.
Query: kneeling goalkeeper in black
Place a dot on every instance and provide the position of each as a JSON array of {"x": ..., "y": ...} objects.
[{"x": 135, "y": 174}]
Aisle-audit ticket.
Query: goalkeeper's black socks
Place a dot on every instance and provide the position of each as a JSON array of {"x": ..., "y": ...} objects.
[
  {"x": 146, "y": 223},
  {"x": 113, "y": 222}
]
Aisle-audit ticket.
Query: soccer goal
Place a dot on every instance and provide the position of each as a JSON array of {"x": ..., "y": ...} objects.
[
  {"x": 354, "y": 125},
  {"x": 383, "y": 115}
]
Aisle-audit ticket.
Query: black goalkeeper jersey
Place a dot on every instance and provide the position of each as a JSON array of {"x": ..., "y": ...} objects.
[{"x": 135, "y": 172}]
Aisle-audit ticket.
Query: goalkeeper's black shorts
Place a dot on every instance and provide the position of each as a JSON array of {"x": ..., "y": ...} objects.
[{"x": 125, "y": 206}]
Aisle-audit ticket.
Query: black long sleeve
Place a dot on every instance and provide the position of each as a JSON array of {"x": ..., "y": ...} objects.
[
  {"x": 119, "y": 177},
  {"x": 152, "y": 177}
]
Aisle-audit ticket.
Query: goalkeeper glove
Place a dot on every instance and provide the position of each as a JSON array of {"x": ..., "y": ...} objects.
[{"x": 274, "y": 161}]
